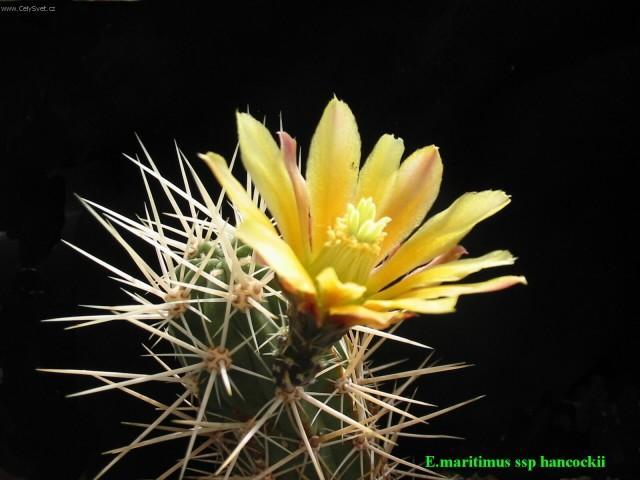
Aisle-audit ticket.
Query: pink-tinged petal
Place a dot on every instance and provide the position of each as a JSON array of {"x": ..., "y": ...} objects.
[
  {"x": 235, "y": 191},
  {"x": 416, "y": 305},
  {"x": 439, "y": 234},
  {"x": 332, "y": 168},
  {"x": 378, "y": 175},
  {"x": 455, "y": 290},
  {"x": 446, "y": 272},
  {"x": 279, "y": 256},
  {"x": 452, "y": 255},
  {"x": 289, "y": 153},
  {"x": 263, "y": 160},
  {"x": 349, "y": 315},
  {"x": 415, "y": 189}
]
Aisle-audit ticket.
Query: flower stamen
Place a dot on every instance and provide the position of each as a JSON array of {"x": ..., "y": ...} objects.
[{"x": 353, "y": 243}]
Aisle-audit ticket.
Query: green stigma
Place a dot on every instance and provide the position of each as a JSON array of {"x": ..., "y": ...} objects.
[{"x": 360, "y": 222}]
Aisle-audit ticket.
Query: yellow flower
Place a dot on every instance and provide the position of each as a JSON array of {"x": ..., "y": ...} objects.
[{"x": 343, "y": 246}]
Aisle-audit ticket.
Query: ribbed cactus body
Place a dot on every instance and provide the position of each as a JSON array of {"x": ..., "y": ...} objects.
[{"x": 267, "y": 347}]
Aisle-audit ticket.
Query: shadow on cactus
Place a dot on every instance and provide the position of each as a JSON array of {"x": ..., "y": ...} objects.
[{"x": 273, "y": 321}]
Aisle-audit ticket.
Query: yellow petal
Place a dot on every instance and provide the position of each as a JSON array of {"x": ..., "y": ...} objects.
[
  {"x": 415, "y": 189},
  {"x": 263, "y": 160},
  {"x": 278, "y": 255},
  {"x": 447, "y": 272},
  {"x": 349, "y": 315},
  {"x": 417, "y": 305},
  {"x": 455, "y": 290},
  {"x": 288, "y": 148},
  {"x": 235, "y": 190},
  {"x": 379, "y": 172},
  {"x": 440, "y": 233},
  {"x": 450, "y": 255},
  {"x": 332, "y": 168},
  {"x": 333, "y": 292}
]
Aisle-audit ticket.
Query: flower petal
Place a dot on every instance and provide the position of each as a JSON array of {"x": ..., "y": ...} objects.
[
  {"x": 332, "y": 168},
  {"x": 415, "y": 189},
  {"x": 440, "y": 233},
  {"x": 264, "y": 161},
  {"x": 333, "y": 292},
  {"x": 449, "y": 256},
  {"x": 447, "y": 272},
  {"x": 235, "y": 190},
  {"x": 358, "y": 315},
  {"x": 288, "y": 148},
  {"x": 417, "y": 305},
  {"x": 378, "y": 174},
  {"x": 278, "y": 255},
  {"x": 455, "y": 290}
]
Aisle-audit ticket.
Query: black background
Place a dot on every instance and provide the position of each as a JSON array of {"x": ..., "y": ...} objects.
[{"x": 540, "y": 100}]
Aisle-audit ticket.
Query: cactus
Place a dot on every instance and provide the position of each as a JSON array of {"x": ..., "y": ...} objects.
[{"x": 268, "y": 386}]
